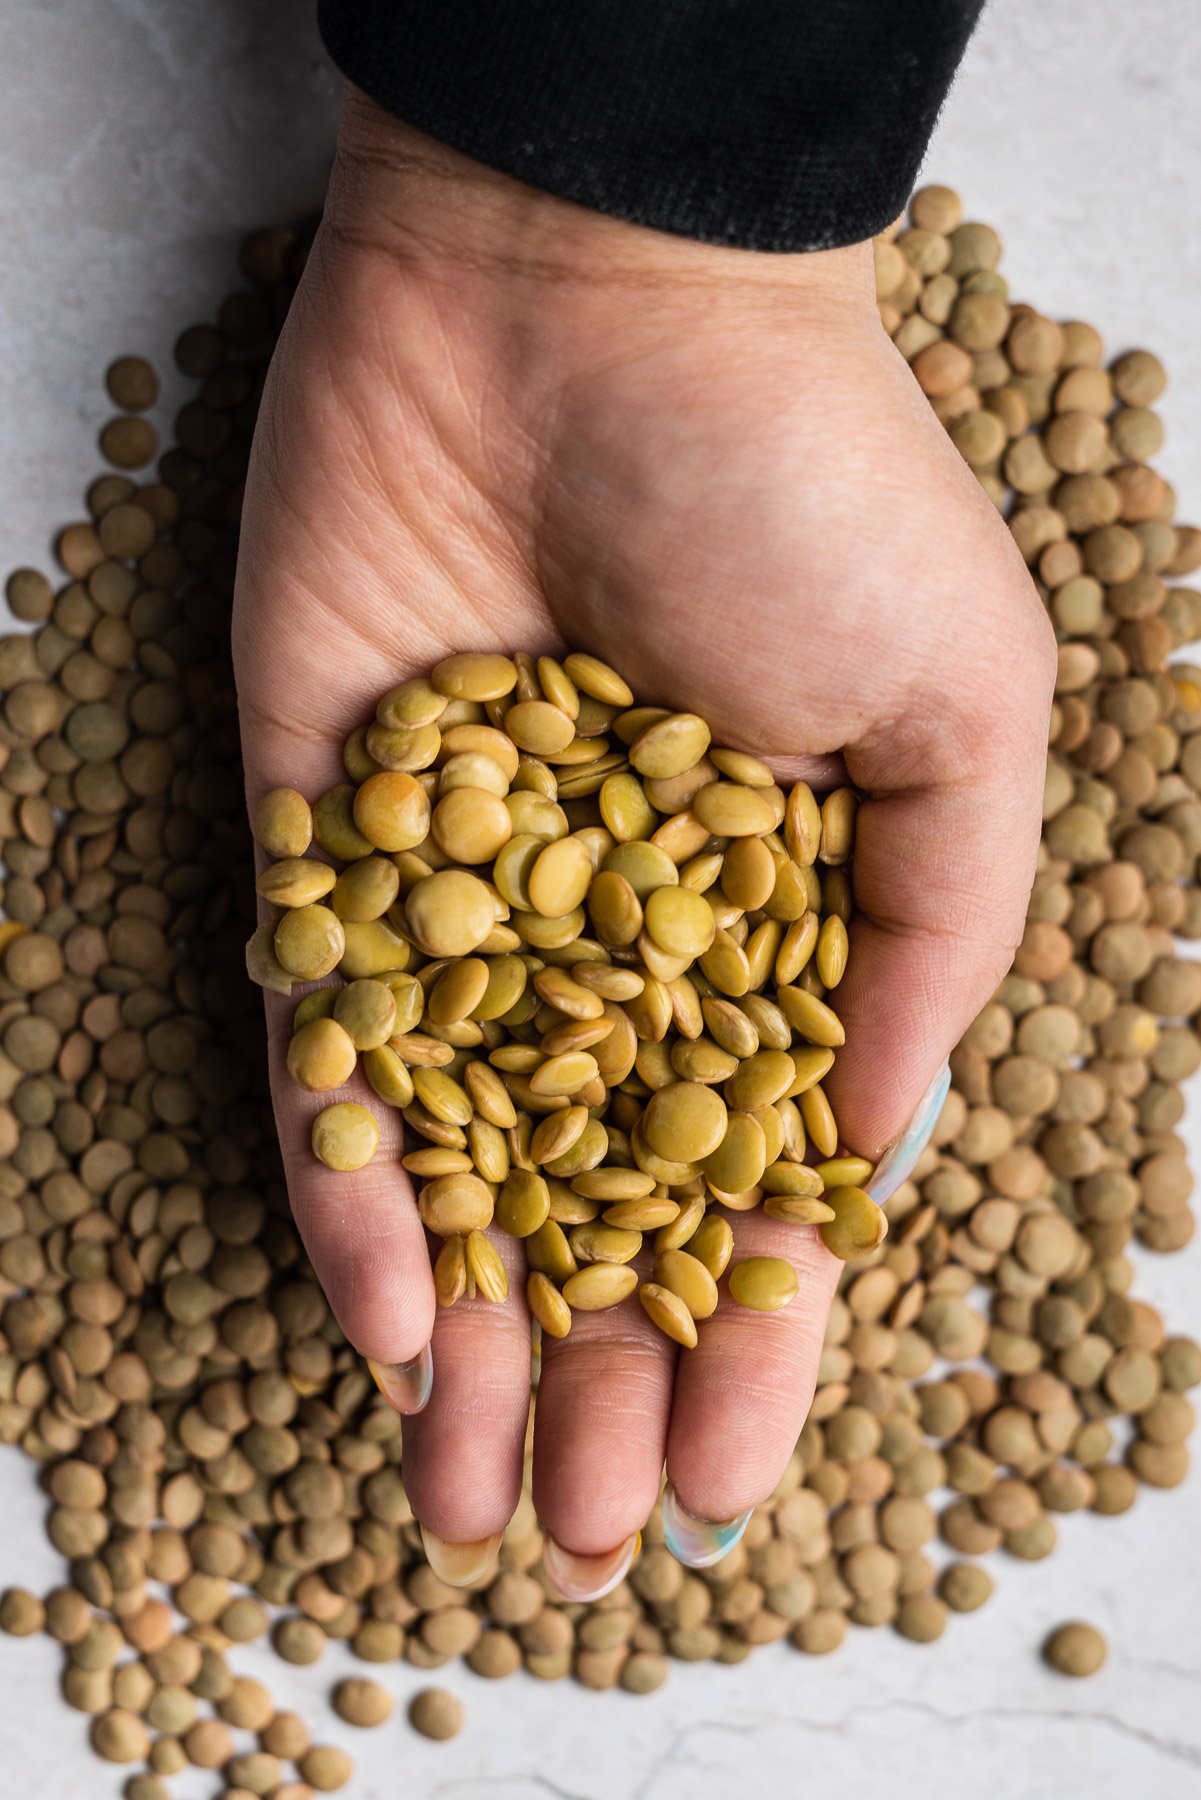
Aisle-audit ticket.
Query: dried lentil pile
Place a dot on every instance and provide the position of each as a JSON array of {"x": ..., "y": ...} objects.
[
  {"x": 555, "y": 924},
  {"x": 216, "y": 1462}
]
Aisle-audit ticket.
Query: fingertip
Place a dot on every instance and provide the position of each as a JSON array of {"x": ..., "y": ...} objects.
[
  {"x": 742, "y": 1396},
  {"x": 901, "y": 1158},
  {"x": 904, "y": 1006},
  {"x": 360, "y": 1228},
  {"x": 699, "y": 1543},
  {"x": 600, "y": 1429},
  {"x": 464, "y": 1452},
  {"x": 374, "y": 1273},
  {"x": 406, "y": 1386},
  {"x": 582, "y": 1580}
]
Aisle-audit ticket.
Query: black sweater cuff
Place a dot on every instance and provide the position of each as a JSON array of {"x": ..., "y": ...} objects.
[{"x": 766, "y": 124}]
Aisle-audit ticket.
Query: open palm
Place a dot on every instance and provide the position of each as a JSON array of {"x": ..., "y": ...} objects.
[{"x": 496, "y": 421}]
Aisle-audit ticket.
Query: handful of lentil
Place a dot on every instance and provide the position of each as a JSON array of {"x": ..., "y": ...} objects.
[{"x": 586, "y": 953}]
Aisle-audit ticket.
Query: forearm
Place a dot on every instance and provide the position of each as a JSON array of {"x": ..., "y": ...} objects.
[{"x": 434, "y": 209}]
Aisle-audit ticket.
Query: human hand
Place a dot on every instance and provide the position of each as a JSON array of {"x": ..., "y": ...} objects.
[{"x": 498, "y": 421}]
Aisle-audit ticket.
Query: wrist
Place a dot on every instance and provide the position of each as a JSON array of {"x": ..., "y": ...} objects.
[{"x": 447, "y": 217}]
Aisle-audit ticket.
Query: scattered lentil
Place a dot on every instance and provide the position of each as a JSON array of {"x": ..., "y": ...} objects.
[
  {"x": 166, "y": 1346},
  {"x": 1076, "y": 1649},
  {"x": 436, "y": 1713}
]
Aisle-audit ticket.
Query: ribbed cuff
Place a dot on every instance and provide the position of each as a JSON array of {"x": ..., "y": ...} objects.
[{"x": 777, "y": 125}]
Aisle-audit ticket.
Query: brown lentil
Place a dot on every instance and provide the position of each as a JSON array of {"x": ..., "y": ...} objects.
[
  {"x": 1076, "y": 1649},
  {"x": 436, "y": 1713},
  {"x": 361, "y": 1702}
]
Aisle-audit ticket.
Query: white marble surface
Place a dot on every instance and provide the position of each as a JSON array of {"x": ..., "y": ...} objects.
[{"x": 136, "y": 141}]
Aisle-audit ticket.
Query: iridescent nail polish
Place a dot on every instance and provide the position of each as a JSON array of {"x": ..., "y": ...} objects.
[
  {"x": 406, "y": 1386},
  {"x": 898, "y": 1163},
  {"x": 581, "y": 1579},
  {"x": 699, "y": 1543},
  {"x": 461, "y": 1565}
]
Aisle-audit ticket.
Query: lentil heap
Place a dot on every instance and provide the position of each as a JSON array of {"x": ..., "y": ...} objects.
[
  {"x": 579, "y": 1088},
  {"x": 217, "y": 1463}
]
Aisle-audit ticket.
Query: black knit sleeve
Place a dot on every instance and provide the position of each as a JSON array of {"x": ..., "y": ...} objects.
[{"x": 767, "y": 124}]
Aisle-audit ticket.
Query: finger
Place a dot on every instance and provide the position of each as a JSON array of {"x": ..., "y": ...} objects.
[
  {"x": 942, "y": 877},
  {"x": 337, "y": 599},
  {"x": 743, "y": 1394},
  {"x": 361, "y": 1229},
  {"x": 300, "y": 694},
  {"x": 600, "y": 1434},
  {"x": 463, "y": 1456}
]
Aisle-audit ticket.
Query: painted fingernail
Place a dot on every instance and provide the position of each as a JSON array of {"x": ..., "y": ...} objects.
[
  {"x": 585, "y": 1578},
  {"x": 406, "y": 1386},
  {"x": 461, "y": 1565},
  {"x": 897, "y": 1164},
  {"x": 699, "y": 1543}
]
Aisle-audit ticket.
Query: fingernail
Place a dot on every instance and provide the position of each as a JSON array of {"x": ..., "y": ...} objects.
[
  {"x": 406, "y": 1386},
  {"x": 461, "y": 1565},
  {"x": 897, "y": 1164},
  {"x": 699, "y": 1543},
  {"x": 584, "y": 1578}
]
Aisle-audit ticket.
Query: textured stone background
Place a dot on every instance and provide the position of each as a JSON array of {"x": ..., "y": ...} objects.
[{"x": 137, "y": 141}]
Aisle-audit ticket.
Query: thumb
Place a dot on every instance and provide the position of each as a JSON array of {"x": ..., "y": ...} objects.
[{"x": 942, "y": 876}]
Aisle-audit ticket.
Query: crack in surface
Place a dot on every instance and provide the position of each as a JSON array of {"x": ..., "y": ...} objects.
[
  {"x": 1162, "y": 1666},
  {"x": 678, "y": 1753},
  {"x": 530, "y": 1783}
]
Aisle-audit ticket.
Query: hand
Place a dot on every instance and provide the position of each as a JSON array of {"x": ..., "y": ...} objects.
[{"x": 496, "y": 420}]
